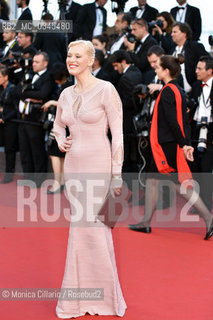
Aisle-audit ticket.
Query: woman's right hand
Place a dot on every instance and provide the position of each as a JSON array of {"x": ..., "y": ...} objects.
[
  {"x": 188, "y": 152},
  {"x": 66, "y": 144},
  {"x": 115, "y": 186},
  {"x": 47, "y": 105}
]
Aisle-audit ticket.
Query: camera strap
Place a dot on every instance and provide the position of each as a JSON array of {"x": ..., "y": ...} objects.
[
  {"x": 7, "y": 91},
  {"x": 206, "y": 103}
]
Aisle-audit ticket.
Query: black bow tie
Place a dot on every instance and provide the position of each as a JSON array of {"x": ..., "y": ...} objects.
[
  {"x": 101, "y": 8},
  {"x": 181, "y": 8}
]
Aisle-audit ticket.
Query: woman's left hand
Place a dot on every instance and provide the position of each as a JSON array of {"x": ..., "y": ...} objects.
[{"x": 158, "y": 29}]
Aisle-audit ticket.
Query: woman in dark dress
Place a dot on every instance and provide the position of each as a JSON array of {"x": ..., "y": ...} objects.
[
  {"x": 62, "y": 79},
  {"x": 8, "y": 105},
  {"x": 169, "y": 138}
]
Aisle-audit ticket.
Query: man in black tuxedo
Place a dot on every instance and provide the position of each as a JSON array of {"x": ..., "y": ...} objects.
[
  {"x": 144, "y": 11},
  {"x": 92, "y": 19},
  {"x": 31, "y": 133},
  {"x": 130, "y": 77},
  {"x": 25, "y": 42},
  {"x": 11, "y": 45},
  {"x": 138, "y": 49},
  {"x": 191, "y": 50},
  {"x": 202, "y": 93},
  {"x": 97, "y": 67},
  {"x": 191, "y": 15},
  {"x": 71, "y": 15},
  {"x": 122, "y": 23},
  {"x": 27, "y": 51},
  {"x": 26, "y": 12},
  {"x": 54, "y": 44}
]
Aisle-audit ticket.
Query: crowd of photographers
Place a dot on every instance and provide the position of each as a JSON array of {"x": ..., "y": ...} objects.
[{"x": 33, "y": 73}]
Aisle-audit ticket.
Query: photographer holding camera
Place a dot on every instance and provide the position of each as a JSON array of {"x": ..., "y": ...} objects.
[
  {"x": 122, "y": 28},
  {"x": 145, "y": 97},
  {"x": 22, "y": 67},
  {"x": 202, "y": 127},
  {"x": 162, "y": 29},
  {"x": 138, "y": 49},
  {"x": 9, "y": 37},
  {"x": 130, "y": 76},
  {"x": 31, "y": 132}
]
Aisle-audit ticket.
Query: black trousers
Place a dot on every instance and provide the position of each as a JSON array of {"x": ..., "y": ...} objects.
[
  {"x": 202, "y": 167},
  {"x": 10, "y": 137},
  {"x": 32, "y": 150}
]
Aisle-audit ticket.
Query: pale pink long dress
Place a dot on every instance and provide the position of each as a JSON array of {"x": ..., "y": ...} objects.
[{"x": 90, "y": 261}]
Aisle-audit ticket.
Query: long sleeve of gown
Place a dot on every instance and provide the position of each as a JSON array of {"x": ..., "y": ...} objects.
[
  {"x": 113, "y": 108},
  {"x": 59, "y": 127}
]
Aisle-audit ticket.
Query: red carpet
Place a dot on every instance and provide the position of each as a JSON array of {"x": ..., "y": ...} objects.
[{"x": 166, "y": 275}]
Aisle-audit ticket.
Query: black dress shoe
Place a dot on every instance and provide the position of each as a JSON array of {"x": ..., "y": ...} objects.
[
  {"x": 209, "y": 234},
  {"x": 140, "y": 227}
]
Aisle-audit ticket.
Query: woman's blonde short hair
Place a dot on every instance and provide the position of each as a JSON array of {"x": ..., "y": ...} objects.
[{"x": 86, "y": 44}]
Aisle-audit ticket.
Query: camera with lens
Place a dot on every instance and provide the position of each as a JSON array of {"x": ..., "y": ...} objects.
[
  {"x": 51, "y": 138},
  {"x": 202, "y": 140},
  {"x": 157, "y": 22},
  {"x": 26, "y": 64},
  {"x": 9, "y": 62},
  {"x": 48, "y": 123},
  {"x": 191, "y": 103},
  {"x": 141, "y": 121},
  {"x": 128, "y": 33},
  {"x": 141, "y": 89}
]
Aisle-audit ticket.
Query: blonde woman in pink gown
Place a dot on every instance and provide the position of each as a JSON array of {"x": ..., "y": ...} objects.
[{"x": 89, "y": 108}]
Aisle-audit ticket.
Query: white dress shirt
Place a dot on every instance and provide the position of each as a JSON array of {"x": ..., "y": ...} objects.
[
  {"x": 204, "y": 107},
  {"x": 140, "y": 12},
  {"x": 99, "y": 22},
  {"x": 181, "y": 13},
  {"x": 9, "y": 45},
  {"x": 117, "y": 44}
]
